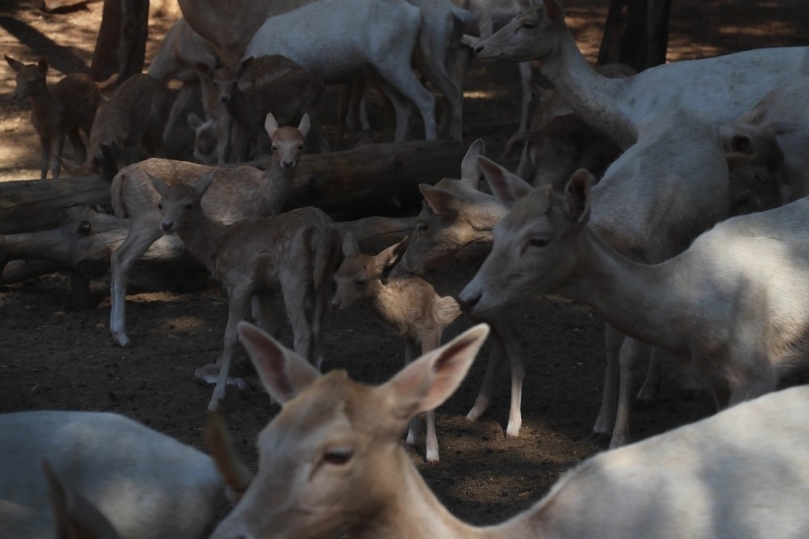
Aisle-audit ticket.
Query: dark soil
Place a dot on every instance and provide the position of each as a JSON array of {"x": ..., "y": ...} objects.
[{"x": 55, "y": 358}]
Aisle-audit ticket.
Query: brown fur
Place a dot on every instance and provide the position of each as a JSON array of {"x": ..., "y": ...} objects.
[{"x": 63, "y": 110}]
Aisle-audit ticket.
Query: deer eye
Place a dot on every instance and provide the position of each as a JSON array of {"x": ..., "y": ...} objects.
[
  {"x": 338, "y": 456},
  {"x": 528, "y": 25},
  {"x": 160, "y": 206},
  {"x": 300, "y": 147},
  {"x": 274, "y": 148},
  {"x": 539, "y": 241},
  {"x": 421, "y": 226},
  {"x": 189, "y": 206},
  {"x": 360, "y": 282}
]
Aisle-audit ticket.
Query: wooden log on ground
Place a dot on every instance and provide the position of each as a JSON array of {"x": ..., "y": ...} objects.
[
  {"x": 376, "y": 233},
  {"x": 371, "y": 179},
  {"x": 17, "y": 271}
]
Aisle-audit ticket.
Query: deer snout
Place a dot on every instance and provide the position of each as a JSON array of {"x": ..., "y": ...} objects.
[
  {"x": 479, "y": 48},
  {"x": 336, "y": 304},
  {"x": 224, "y": 98},
  {"x": 287, "y": 162},
  {"x": 467, "y": 302},
  {"x": 167, "y": 225}
]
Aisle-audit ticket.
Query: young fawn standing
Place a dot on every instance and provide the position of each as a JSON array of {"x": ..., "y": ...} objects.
[
  {"x": 331, "y": 462},
  {"x": 236, "y": 194},
  {"x": 406, "y": 303},
  {"x": 295, "y": 251},
  {"x": 60, "y": 111}
]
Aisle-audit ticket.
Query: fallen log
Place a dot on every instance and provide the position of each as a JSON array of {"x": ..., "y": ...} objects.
[
  {"x": 86, "y": 239},
  {"x": 371, "y": 179}
]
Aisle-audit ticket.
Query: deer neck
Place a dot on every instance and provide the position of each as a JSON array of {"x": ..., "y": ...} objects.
[
  {"x": 412, "y": 510},
  {"x": 642, "y": 301},
  {"x": 202, "y": 238},
  {"x": 277, "y": 187},
  {"x": 598, "y": 100},
  {"x": 385, "y": 304},
  {"x": 42, "y": 105}
]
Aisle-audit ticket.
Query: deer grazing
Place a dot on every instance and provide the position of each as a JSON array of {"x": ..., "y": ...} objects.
[
  {"x": 343, "y": 37},
  {"x": 132, "y": 120},
  {"x": 146, "y": 484},
  {"x": 766, "y": 146},
  {"x": 451, "y": 227},
  {"x": 406, "y": 303},
  {"x": 295, "y": 252},
  {"x": 331, "y": 462},
  {"x": 730, "y": 308},
  {"x": 64, "y": 110},
  {"x": 721, "y": 88},
  {"x": 236, "y": 194}
]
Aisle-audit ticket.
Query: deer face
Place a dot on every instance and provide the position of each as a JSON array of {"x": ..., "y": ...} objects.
[{"x": 30, "y": 78}]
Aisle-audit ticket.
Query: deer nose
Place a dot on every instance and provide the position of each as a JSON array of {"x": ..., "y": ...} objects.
[
  {"x": 467, "y": 304},
  {"x": 479, "y": 48},
  {"x": 288, "y": 162},
  {"x": 167, "y": 226},
  {"x": 335, "y": 304},
  {"x": 224, "y": 98}
]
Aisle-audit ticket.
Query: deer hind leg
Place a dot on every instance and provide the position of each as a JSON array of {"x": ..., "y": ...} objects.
[
  {"x": 45, "y": 156},
  {"x": 140, "y": 237},
  {"x": 295, "y": 289},
  {"x": 609, "y": 396},
  {"x": 408, "y": 86},
  {"x": 631, "y": 351},
  {"x": 484, "y": 397},
  {"x": 429, "y": 343},
  {"x": 414, "y": 428},
  {"x": 55, "y": 162},
  {"x": 651, "y": 385},
  {"x": 525, "y": 84},
  {"x": 239, "y": 300},
  {"x": 321, "y": 300},
  {"x": 79, "y": 149}
]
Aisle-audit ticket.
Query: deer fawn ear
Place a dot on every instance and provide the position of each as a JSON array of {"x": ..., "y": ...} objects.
[
  {"x": 470, "y": 173},
  {"x": 270, "y": 125},
  {"x": 430, "y": 380},
  {"x": 577, "y": 196},
  {"x": 283, "y": 372},
  {"x": 350, "y": 245},
  {"x": 43, "y": 64},
  {"x": 159, "y": 185},
  {"x": 508, "y": 188},
  {"x": 204, "y": 71},
  {"x": 243, "y": 66},
  {"x": 439, "y": 200},
  {"x": 194, "y": 121},
  {"x": 204, "y": 183},
  {"x": 76, "y": 517},
  {"x": 304, "y": 126},
  {"x": 16, "y": 65},
  {"x": 233, "y": 471},
  {"x": 390, "y": 256}
]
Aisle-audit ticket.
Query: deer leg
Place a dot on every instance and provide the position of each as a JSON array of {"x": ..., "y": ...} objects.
[
  {"x": 406, "y": 83},
  {"x": 46, "y": 156},
  {"x": 429, "y": 343},
  {"x": 631, "y": 351},
  {"x": 237, "y": 309},
  {"x": 414, "y": 428},
  {"x": 60, "y": 146},
  {"x": 525, "y": 84},
  {"x": 609, "y": 396},
  {"x": 485, "y": 394},
  {"x": 321, "y": 301},
  {"x": 295, "y": 291},
  {"x": 140, "y": 237},
  {"x": 505, "y": 329},
  {"x": 78, "y": 145},
  {"x": 651, "y": 385}
]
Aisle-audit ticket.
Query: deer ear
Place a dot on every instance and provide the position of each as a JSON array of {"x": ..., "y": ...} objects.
[
  {"x": 470, "y": 173},
  {"x": 283, "y": 372},
  {"x": 390, "y": 256},
  {"x": 16, "y": 65},
  {"x": 204, "y": 70},
  {"x": 508, "y": 188},
  {"x": 304, "y": 126},
  {"x": 439, "y": 200},
  {"x": 577, "y": 196},
  {"x": 43, "y": 64},
  {"x": 194, "y": 121},
  {"x": 270, "y": 125},
  {"x": 350, "y": 245},
  {"x": 233, "y": 471},
  {"x": 159, "y": 185},
  {"x": 243, "y": 66},
  {"x": 430, "y": 380},
  {"x": 204, "y": 183}
]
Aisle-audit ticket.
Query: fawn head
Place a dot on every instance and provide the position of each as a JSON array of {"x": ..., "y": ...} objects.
[
  {"x": 287, "y": 141},
  {"x": 30, "y": 77},
  {"x": 179, "y": 203},
  {"x": 205, "y": 139},
  {"x": 329, "y": 461},
  {"x": 359, "y": 276}
]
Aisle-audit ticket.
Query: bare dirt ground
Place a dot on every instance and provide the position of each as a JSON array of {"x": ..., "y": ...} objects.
[{"x": 54, "y": 358}]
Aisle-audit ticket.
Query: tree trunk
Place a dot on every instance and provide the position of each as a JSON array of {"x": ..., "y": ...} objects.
[
  {"x": 636, "y": 33},
  {"x": 368, "y": 180},
  {"x": 121, "y": 42}
]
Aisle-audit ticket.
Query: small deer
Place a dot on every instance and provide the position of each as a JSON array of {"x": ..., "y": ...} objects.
[
  {"x": 63, "y": 110},
  {"x": 295, "y": 252},
  {"x": 331, "y": 463},
  {"x": 236, "y": 194},
  {"x": 406, "y": 303}
]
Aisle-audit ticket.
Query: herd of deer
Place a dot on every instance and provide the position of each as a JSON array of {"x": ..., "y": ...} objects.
[{"x": 622, "y": 201}]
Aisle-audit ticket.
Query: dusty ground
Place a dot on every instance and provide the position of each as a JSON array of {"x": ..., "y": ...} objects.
[{"x": 54, "y": 358}]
